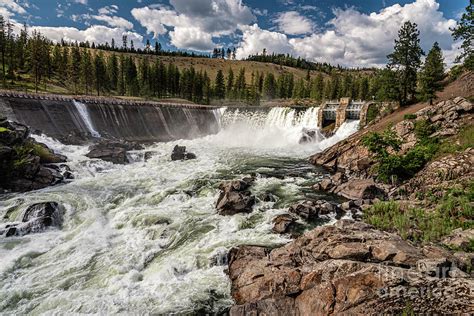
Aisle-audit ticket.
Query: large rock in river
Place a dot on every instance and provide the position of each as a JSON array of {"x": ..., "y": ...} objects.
[
  {"x": 235, "y": 197},
  {"x": 348, "y": 268},
  {"x": 180, "y": 153},
  {"x": 36, "y": 218},
  {"x": 112, "y": 151}
]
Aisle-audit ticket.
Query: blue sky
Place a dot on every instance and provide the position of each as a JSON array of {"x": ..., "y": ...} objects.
[{"x": 350, "y": 32}]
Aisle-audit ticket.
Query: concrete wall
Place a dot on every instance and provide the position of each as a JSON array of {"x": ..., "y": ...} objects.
[{"x": 143, "y": 122}]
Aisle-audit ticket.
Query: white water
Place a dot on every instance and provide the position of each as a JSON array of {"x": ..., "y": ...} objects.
[
  {"x": 84, "y": 113},
  {"x": 142, "y": 238}
]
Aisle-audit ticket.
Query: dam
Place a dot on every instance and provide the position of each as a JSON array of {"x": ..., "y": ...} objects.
[{"x": 82, "y": 117}]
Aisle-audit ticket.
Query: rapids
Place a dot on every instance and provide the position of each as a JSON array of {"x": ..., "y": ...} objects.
[{"x": 145, "y": 238}]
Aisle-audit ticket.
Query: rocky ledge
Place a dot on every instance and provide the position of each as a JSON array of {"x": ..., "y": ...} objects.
[
  {"x": 349, "y": 268},
  {"x": 26, "y": 164}
]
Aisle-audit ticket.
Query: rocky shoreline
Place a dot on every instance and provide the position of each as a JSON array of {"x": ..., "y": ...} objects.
[{"x": 352, "y": 267}]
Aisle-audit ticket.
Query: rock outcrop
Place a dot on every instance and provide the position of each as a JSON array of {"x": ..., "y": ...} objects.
[
  {"x": 348, "y": 268},
  {"x": 235, "y": 197},
  {"x": 24, "y": 163},
  {"x": 353, "y": 161},
  {"x": 36, "y": 218},
  {"x": 180, "y": 153}
]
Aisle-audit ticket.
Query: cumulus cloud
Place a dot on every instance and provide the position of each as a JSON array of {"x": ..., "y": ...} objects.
[
  {"x": 255, "y": 39},
  {"x": 293, "y": 23},
  {"x": 96, "y": 33},
  {"x": 84, "y": 2},
  {"x": 9, "y": 8},
  {"x": 357, "y": 39},
  {"x": 197, "y": 20},
  {"x": 114, "y": 21}
]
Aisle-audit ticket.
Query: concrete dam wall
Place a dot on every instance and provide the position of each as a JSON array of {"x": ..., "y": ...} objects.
[{"x": 67, "y": 119}]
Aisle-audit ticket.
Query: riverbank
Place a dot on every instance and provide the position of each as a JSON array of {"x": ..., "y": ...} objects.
[{"x": 413, "y": 182}]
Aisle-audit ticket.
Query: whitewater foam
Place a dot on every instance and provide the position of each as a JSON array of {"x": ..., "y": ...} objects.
[{"x": 145, "y": 238}]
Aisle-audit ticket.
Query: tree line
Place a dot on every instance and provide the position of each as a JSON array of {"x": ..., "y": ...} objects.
[{"x": 85, "y": 68}]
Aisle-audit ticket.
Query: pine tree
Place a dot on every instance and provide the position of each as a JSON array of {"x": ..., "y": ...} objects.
[
  {"x": 363, "y": 88},
  {"x": 113, "y": 71},
  {"x": 100, "y": 73},
  {"x": 465, "y": 31},
  {"x": 219, "y": 85},
  {"x": 230, "y": 84},
  {"x": 269, "y": 86},
  {"x": 87, "y": 71},
  {"x": 74, "y": 67},
  {"x": 406, "y": 60},
  {"x": 37, "y": 48},
  {"x": 239, "y": 86},
  {"x": 432, "y": 74},
  {"x": 121, "y": 76}
]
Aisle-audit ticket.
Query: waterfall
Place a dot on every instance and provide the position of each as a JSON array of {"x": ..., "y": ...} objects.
[{"x": 82, "y": 109}]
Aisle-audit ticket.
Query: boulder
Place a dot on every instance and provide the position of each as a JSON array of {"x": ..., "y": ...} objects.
[
  {"x": 348, "y": 268},
  {"x": 36, "y": 218},
  {"x": 112, "y": 151},
  {"x": 356, "y": 189},
  {"x": 459, "y": 239},
  {"x": 307, "y": 210},
  {"x": 285, "y": 223},
  {"x": 180, "y": 153},
  {"x": 12, "y": 133},
  {"x": 235, "y": 197}
]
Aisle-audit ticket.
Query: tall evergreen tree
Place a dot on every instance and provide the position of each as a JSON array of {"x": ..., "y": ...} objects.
[
  {"x": 3, "y": 49},
  {"x": 406, "y": 60},
  {"x": 219, "y": 85},
  {"x": 269, "y": 86},
  {"x": 363, "y": 92},
  {"x": 37, "y": 48},
  {"x": 87, "y": 71},
  {"x": 230, "y": 84},
  {"x": 113, "y": 71},
  {"x": 75, "y": 67},
  {"x": 100, "y": 73},
  {"x": 465, "y": 31},
  {"x": 432, "y": 74}
]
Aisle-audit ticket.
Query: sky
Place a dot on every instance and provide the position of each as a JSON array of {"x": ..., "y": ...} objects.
[{"x": 352, "y": 33}]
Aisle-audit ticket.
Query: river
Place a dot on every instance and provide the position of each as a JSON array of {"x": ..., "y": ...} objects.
[{"x": 145, "y": 238}]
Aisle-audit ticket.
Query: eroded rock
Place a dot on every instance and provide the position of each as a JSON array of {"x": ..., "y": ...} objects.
[
  {"x": 348, "y": 268},
  {"x": 180, "y": 153},
  {"x": 235, "y": 197}
]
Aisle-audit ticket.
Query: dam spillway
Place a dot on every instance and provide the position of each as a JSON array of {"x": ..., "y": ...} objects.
[{"x": 60, "y": 117}]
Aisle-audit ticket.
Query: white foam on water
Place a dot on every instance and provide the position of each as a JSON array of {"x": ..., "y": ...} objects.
[
  {"x": 84, "y": 113},
  {"x": 143, "y": 238}
]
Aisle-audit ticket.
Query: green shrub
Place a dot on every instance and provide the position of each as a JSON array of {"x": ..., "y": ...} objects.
[
  {"x": 454, "y": 211},
  {"x": 409, "y": 116},
  {"x": 4, "y": 129},
  {"x": 394, "y": 167},
  {"x": 372, "y": 113}
]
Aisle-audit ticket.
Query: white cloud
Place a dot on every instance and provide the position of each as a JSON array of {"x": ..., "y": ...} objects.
[
  {"x": 9, "y": 8},
  {"x": 255, "y": 39},
  {"x": 197, "y": 19},
  {"x": 84, "y": 2},
  {"x": 96, "y": 33},
  {"x": 114, "y": 21},
  {"x": 108, "y": 10},
  {"x": 191, "y": 38},
  {"x": 293, "y": 23},
  {"x": 357, "y": 39}
]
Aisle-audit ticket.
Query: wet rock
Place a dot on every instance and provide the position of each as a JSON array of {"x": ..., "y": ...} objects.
[
  {"x": 326, "y": 184},
  {"x": 308, "y": 136},
  {"x": 149, "y": 155},
  {"x": 348, "y": 268},
  {"x": 180, "y": 153},
  {"x": 114, "y": 152},
  {"x": 235, "y": 197},
  {"x": 285, "y": 223},
  {"x": 307, "y": 210},
  {"x": 347, "y": 205},
  {"x": 269, "y": 198},
  {"x": 37, "y": 218},
  {"x": 13, "y": 133}
]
